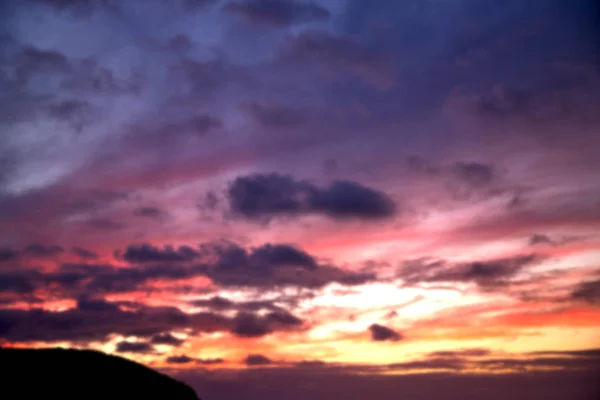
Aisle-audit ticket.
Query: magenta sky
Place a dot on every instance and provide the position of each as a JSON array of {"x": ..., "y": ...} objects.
[{"x": 308, "y": 190}]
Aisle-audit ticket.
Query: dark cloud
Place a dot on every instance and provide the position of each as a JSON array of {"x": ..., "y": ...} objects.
[
  {"x": 96, "y": 320},
  {"x": 86, "y": 202},
  {"x": 251, "y": 325},
  {"x": 257, "y": 359},
  {"x": 466, "y": 180},
  {"x": 18, "y": 282},
  {"x": 274, "y": 265},
  {"x": 460, "y": 353},
  {"x": 75, "y": 79},
  {"x": 8, "y": 254},
  {"x": 277, "y": 12},
  {"x": 198, "y": 125},
  {"x": 283, "y": 319},
  {"x": 206, "y": 77},
  {"x": 486, "y": 274},
  {"x": 41, "y": 251},
  {"x": 257, "y": 196},
  {"x": 442, "y": 363},
  {"x": 310, "y": 364},
  {"x": 134, "y": 347},
  {"x": 270, "y": 265},
  {"x": 215, "y": 303},
  {"x": 340, "y": 56},
  {"x": 273, "y": 115},
  {"x": 116, "y": 280},
  {"x": 209, "y": 361},
  {"x": 81, "y": 209},
  {"x": 282, "y": 255},
  {"x": 209, "y": 202},
  {"x": 539, "y": 239},
  {"x": 219, "y": 303},
  {"x": 566, "y": 97},
  {"x": 265, "y": 196},
  {"x": 82, "y": 6},
  {"x": 198, "y": 4},
  {"x": 562, "y": 362},
  {"x": 380, "y": 333},
  {"x": 84, "y": 253},
  {"x": 183, "y": 359},
  {"x": 587, "y": 291},
  {"x": 149, "y": 212},
  {"x": 96, "y": 305},
  {"x": 594, "y": 353},
  {"x": 475, "y": 174},
  {"x": 486, "y": 360},
  {"x": 30, "y": 60},
  {"x": 146, "y": 253},
  {"x": 103, "y": 224},
  {"x": 166, "y": 338}
]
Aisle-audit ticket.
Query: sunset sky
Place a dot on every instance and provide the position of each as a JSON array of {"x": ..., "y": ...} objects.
[{"x": 323, "y": 188}]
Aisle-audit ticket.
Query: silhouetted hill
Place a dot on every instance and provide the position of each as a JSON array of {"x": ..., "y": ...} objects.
[{"x": 80, "y": 374}]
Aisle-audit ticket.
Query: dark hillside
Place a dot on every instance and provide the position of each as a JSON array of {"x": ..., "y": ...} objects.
[{"x": 80, "y": 374}]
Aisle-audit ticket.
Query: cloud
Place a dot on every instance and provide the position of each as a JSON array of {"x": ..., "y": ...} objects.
[
  {"x": 219, "y": 303},
  {"x": 249, "y": 325},
  {"x": 149, "y": 212},
  {"x": 41, "y": 251},
  {"x": 256, "y": 360},
  {"x": 210, "y": 201},
  {"x": 18, "y": 282},
  {"x": 262, "y": 196},
  {"x": 195, "y": 126},
  {"x": 272, "y": 115},
  {"x": 452, "y": 364},
  {"x": 587, "y": 291},
  {"x": 475, "y": 174},
  {"x": 340, "y": 56},
  {"x": 460, "y": 353},
  {"x": 209, "y": 361},
  {"x": 166, "y": 338},
  {"x": 277, "y": 13},
  {"x": 134, "y": 347},
  {"x": 84, "y": 254},
  {"x": 215, "y": 303},
  {"x": 270, "y": 265},
  {"x": 282, "y": 254},
  {"x": 485, "y": 360},
  {"x": 198, "y": 4},
  {"x": 146, "y": 253},
  {"x": 96, "y": 320},
  {"x": 539, "y": 239},
  {"x": 380, "y": 333},
  {"x": 103, "y": 224},
  {"x": 207, "y": 77},
  {"x": 182, "y": 359},
  {"x": 594, "y": 353},
  {"x": 486, "y": 274},
  {"x": 8, "y": 254},
  {"x": 565, "y": 96},
  {"x": 84, "y": 7},
  {"x": 465, "y": 180},
  {"x": 273, "y": 265}
]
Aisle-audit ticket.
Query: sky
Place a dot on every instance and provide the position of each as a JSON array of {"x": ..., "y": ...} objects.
[{"x": 321, "y": 197}]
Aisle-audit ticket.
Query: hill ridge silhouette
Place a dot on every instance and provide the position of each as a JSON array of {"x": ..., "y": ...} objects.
[{"x": 77, "y": 374}]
